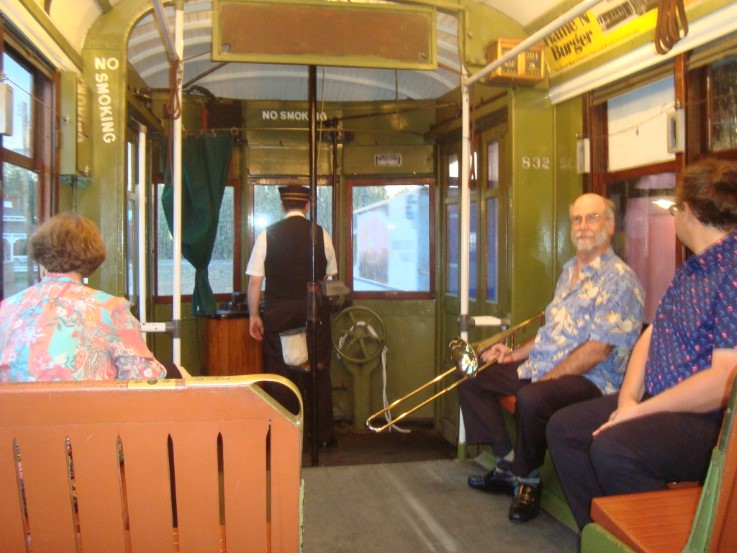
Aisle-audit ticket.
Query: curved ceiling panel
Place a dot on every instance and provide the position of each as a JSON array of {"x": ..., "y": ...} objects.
[{"x": 251, "y": 81}]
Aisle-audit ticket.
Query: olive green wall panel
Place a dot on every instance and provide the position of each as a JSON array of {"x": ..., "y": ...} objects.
[
  {"x": 265, "y": 159},
  {"x": 480, "y": 26},
  {"x": 545, "y": 184},
  {"x": 105, "y": 72},
  {"x": 391, "y": 159},
  {"x": 447, "y": 406},
  {"x": 532, "y": 215},
  {"x": 568, "y": 183},
  {"x": 105, "y": 195},
  {"x": 406, "y": 367},
  {"x": 66, "y": 198},
  {"x": 404, "y": 122},
  {"x": 406, "y": 322}
]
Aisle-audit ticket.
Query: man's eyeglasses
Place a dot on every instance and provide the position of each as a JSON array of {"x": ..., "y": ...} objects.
[
  {"x": 674, "y": 208},
  {"x": 590, "y": 219}
]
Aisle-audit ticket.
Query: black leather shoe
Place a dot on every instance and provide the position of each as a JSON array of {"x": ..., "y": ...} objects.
[
  {"x": 526, "y": 502},
  {"x": 493, "y": 482}
]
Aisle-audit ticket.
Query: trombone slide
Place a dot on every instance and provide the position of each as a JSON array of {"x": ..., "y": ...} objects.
[{"x": 465, "y": 360}]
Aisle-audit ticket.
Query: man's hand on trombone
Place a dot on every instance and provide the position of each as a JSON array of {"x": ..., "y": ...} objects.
[{"x": 499, "y": 352}]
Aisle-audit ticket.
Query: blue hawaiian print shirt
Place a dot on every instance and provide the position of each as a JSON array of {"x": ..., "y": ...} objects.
[
  {"x": 605, "y": 305},
  {"x": 697, "y": 314}
]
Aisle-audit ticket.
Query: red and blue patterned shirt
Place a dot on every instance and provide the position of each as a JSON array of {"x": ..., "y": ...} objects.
[{"x": 697, "y": 314}]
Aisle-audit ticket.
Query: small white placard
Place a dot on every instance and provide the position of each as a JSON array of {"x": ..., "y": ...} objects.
[
  {"x": 676, "y": 131},
  {"x": 6, "y": 109},
  {"x": 388, "y": 160},
  {"x": 583, "y": 155}
]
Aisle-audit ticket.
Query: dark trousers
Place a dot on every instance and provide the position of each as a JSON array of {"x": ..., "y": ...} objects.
[
  {"x": 287, "y": 315},
  {"x": 536, "y": 403},
  {"x": 637, "y": 455}
]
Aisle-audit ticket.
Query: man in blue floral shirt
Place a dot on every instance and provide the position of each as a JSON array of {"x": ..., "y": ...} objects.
[
  {"x": 664, "y": 423},
  {"x": 578, "y": 354}
]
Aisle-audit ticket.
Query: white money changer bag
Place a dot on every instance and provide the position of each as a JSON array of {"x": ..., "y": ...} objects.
[{"x": 294, "y": 346}]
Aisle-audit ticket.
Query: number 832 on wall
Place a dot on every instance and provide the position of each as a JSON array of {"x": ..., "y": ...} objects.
[{"x": 536, "y": 162}]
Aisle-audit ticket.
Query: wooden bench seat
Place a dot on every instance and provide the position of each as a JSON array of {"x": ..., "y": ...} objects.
[
  {"x": 690, "y": 520},
  {"x": 202, "y": 464},
  {"x": 509, "y": 403},
  {"x": 657, "y": 522}
]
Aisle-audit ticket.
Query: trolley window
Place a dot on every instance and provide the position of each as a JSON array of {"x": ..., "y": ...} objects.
[
  {"x": 220, "y": 270},
  {"x": 26, "y": 147},
  {"x": 391, "y": 246}
]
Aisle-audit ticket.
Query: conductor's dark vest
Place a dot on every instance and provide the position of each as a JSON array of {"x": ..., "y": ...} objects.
[{"x": 288, "y": 263}]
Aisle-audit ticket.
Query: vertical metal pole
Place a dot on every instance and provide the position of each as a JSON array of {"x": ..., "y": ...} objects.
[
  {"x": 141, "y": 204},
  {"x": 177, "y": 183},
  {"x": 465, "y": 224},
  {"x": 313, "y": 285}
]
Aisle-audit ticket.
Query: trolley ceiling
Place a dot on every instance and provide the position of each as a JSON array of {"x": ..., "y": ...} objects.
[{"x": 251, "y": 81}]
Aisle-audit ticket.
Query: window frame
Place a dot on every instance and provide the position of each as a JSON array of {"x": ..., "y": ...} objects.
[
  {"x": 495, "y": 191},
  {"x": 699, "y": 83},
  {"x": 601, "y": 179},
  {"x": 42, "y": 160},
  {"x": 283, "y": 181},
  {"x": 238, "y": 279},
  {"x": 390, "y": 181},
  {"x": 452, "y": 197}
]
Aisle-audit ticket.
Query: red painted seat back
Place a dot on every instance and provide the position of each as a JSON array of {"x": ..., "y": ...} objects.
[{"x": 212, "y": 464}]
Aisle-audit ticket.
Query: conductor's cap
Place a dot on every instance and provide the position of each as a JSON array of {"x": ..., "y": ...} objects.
[{"x": 294, "y": 193}]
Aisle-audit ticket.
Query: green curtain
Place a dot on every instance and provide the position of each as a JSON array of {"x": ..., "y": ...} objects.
[{"x": 205, "y": 161}]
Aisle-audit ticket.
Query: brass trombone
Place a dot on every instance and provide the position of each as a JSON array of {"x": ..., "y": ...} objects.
[{"x": 464, "y": 359}]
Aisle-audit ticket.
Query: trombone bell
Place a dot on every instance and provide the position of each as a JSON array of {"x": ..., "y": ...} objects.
[
  {"x": 463, "y": 356},
  {"x": 464, "y": 359}
]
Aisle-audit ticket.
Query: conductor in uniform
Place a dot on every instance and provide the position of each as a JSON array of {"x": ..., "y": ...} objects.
[{"x": 282, "y": 255}]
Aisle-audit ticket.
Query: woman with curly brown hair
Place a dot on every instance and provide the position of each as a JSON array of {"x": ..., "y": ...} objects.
[{"x": 60, "y": 329}]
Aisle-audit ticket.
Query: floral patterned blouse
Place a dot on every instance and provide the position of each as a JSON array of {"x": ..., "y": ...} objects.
[{"x": 59, "y": 329}]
